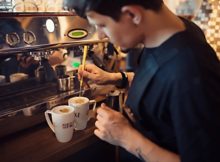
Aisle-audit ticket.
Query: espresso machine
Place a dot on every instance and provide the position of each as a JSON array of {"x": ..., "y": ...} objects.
[{"x": 27, "y": 89}]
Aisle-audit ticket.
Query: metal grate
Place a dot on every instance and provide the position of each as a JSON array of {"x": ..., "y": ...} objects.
[{"x": 27, "y": 98}]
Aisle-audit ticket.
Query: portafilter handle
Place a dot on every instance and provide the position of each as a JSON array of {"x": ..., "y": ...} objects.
[
  {"x": 40, "y": 74},
  {"x": 60, "y": 71}
]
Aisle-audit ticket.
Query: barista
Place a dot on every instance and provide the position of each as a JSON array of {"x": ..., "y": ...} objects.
[{"x": 174, "y": 94}]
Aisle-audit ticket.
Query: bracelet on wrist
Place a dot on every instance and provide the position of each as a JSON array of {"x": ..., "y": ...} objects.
[{"x": 124, "y": 81}]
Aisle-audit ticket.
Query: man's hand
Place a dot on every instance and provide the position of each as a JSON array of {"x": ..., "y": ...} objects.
[
  {"x": 112, "y": 126},
  {"x": 95, "y": 74}
]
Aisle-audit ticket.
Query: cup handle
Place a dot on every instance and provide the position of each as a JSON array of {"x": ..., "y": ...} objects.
[
  {"x": 93, "y": 102},
  {"x": 92, "y": 113},
  {"x": 48, "y": 120}
]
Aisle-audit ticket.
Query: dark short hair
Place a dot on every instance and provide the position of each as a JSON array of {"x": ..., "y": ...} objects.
[{"x": 110, "y": 8}]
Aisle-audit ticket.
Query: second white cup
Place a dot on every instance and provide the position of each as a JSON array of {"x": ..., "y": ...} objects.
[{"x": 81, "y": 111}]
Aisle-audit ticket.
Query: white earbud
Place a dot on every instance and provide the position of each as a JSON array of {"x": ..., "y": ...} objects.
[{"x": 136, "y": 20}]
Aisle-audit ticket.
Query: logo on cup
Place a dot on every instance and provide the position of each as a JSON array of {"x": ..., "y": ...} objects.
[
  {"x": 77, "y": 115},
  {"x": 62, "y": 123},
  {"x": 67, "y": 125}
]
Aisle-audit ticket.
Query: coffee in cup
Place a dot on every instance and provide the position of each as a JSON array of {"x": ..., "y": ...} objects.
[
  {"x": 62, "y": 122},
  {"x": 81, "y": 111}
]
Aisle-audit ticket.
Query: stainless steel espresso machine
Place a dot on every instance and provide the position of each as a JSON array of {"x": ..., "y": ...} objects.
[{"x": 28, "y": 82}]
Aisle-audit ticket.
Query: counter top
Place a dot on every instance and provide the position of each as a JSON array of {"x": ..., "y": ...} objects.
[{"x": 40, "y": 144}]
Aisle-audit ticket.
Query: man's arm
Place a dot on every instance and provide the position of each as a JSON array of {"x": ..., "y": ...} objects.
[
  {"x": 115, "y": 129},
  {"x": 117, "y": 77},
  {"x": 146, "y": 150},
  {"x": 99, "y": 76}
]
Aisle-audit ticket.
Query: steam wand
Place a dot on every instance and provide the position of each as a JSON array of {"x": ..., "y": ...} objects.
[{"x": 85, "y": 51}]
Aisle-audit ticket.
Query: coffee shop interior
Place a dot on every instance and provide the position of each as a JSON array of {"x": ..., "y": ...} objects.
[{"x": 41, "y": 47}]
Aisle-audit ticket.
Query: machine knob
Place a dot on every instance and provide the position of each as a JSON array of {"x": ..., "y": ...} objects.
[
  {"x": 29, "y": 37},
  {"x": 12, "y": 39}
]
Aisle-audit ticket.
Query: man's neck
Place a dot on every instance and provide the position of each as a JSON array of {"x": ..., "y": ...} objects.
[{"x": 163, "y": 25}]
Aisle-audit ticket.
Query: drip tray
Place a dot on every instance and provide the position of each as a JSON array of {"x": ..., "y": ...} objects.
[
  {"x": 16, "y": 102},
  {"x": 27, "y": 98}
]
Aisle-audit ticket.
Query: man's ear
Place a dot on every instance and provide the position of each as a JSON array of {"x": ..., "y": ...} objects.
[{"x": 134, "y": 12}]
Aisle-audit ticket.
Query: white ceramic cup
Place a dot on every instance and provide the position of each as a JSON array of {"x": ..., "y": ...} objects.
[
  {"x": 62, "y": 122},
  {"x": 81, "y": 111},
  {"x": 18, "y": 77}
]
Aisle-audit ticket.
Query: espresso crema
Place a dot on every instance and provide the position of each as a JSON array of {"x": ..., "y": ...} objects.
[
  {"x": 62, "y": 110},
  {"x": 78, "y": 100}
]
